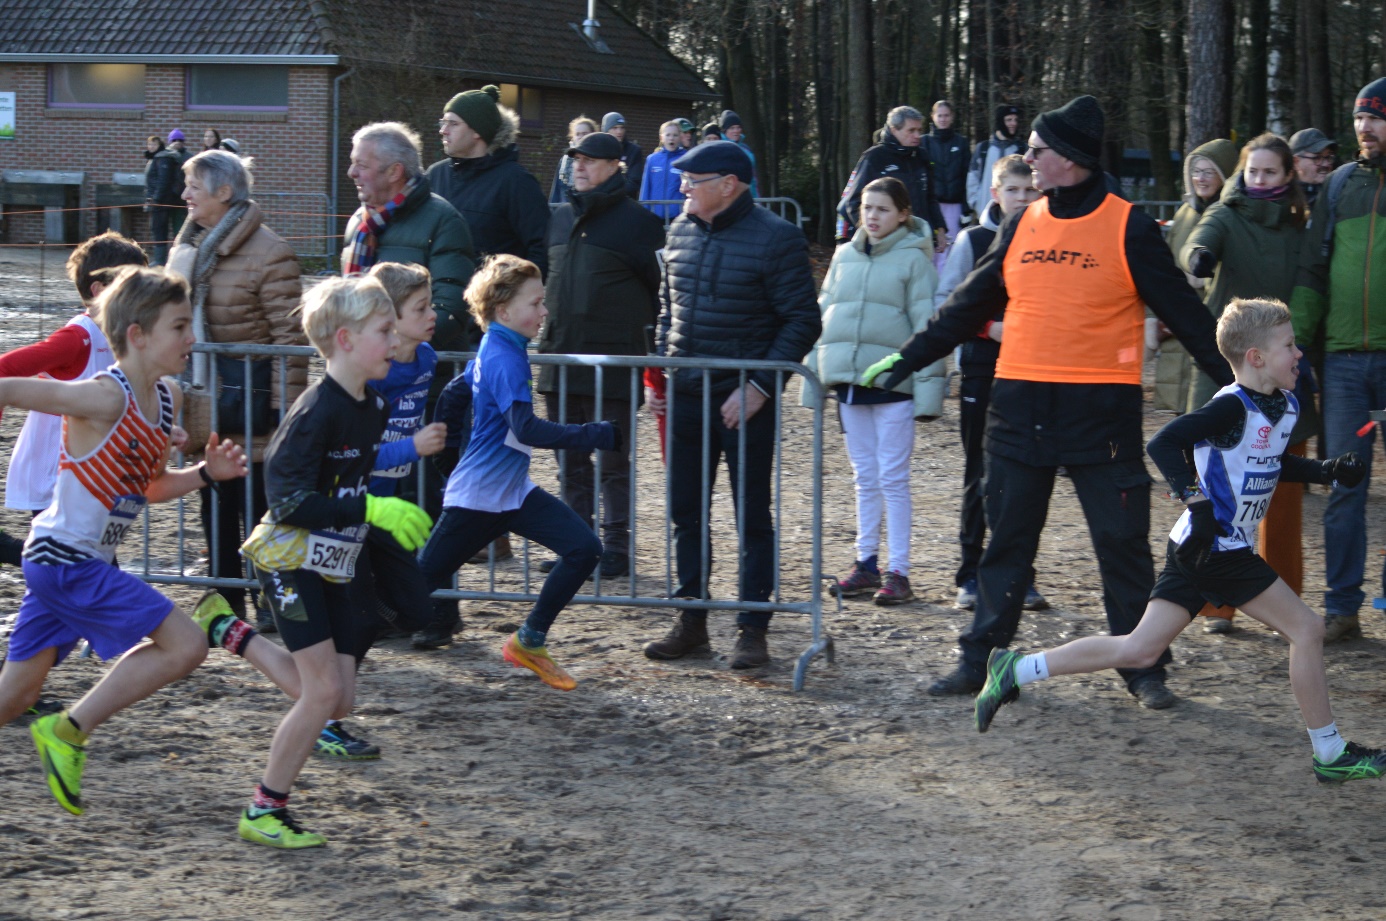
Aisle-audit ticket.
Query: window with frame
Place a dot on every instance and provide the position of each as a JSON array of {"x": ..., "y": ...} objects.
[
  {"x": 111, "y": 86},
  {"x": 528, "y": 101},
  {"x": 245, "y": 87}
]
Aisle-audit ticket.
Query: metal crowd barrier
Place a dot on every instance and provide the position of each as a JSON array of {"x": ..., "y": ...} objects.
[
  {"x": 651, "y": 526},
  {"x": 787, "y": 208}
]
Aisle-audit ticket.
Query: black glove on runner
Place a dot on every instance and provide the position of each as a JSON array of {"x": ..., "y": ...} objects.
[
  {"x": 1346, "y": 470},
  {"x": 1204, "y": 529}
]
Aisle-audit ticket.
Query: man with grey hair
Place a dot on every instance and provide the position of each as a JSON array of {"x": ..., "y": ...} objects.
[
  {"x": 402, "y": 220},
  {"x": 899, "y": 156}
]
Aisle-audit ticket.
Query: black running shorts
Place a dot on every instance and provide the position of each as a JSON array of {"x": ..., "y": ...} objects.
[{"x": 1230, "y": 578}]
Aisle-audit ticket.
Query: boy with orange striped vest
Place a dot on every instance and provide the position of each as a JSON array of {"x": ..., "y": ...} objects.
[{"x": 112, "y": 461}]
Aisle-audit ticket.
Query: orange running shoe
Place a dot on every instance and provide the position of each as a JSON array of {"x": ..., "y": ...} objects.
[{"x": 538, "y": 661}]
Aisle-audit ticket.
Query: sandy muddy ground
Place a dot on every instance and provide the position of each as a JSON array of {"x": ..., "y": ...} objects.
[{"x": 684, "y": 791}]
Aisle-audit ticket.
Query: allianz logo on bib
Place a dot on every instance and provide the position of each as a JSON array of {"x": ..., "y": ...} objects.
[{"x": 1258, "y": 484}]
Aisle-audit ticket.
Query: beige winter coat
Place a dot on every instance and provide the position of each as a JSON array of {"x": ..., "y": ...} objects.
[{"x": 252, "y": 297}]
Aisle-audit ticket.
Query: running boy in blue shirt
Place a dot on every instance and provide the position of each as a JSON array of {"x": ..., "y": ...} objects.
[
  {"x": 112, "y": 460},
  {"x": 490, "y": 492},
  {"x": 1223, "y": 461}
]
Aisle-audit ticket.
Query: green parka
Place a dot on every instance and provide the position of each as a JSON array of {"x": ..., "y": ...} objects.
[
  {"x": 428, "y": 231},
  {"x": 1345, "y": 292},
  {"x": 1257, "y": 243}
]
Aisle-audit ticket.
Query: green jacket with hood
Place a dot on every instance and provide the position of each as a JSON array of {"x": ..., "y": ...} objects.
[
  {"x": 1174, "y": 369},
  {"x": 1345, "y": 291},
  {"x": 1257, "y": 244}
]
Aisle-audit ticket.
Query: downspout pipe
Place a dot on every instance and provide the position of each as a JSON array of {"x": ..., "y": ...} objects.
[{"x": 336, "y": 147}]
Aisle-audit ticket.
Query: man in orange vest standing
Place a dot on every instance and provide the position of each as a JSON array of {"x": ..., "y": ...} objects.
[{"x": 1073, "y": 273}]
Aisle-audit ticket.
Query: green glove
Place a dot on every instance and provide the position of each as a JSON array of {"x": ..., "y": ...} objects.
[
  {"x": 890, "y": 367},
  {"x": 406, "y": 522}
]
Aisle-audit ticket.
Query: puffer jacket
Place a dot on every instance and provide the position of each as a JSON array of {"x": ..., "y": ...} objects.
[
  {"x": 740, "y": 287},
  {"x": 1174, "y": 368},
  {"x": 892, "y": 159},
  {"x": 162, "y": 175},
  {"x": 1339, "y": 290},
  {"x": 872, "y": 302},
  {"x": 428, "y": 231},
  {"x": 949, "y": 155},
  {"x": 252, "y": 297},
  {"x": 501, "y": 201},
  {"x": 603, "y": 289}
]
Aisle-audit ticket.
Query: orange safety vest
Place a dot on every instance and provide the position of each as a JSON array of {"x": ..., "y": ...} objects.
[{"x": 1073, "y": 315}]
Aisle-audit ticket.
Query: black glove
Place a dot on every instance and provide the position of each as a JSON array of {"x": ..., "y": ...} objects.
[
  {"x": 1345, "y": 470},
  {"x": 618, "y": 436},
  {"x": 1202, "y": 264},
  {"x": 1204, "y": 529}
]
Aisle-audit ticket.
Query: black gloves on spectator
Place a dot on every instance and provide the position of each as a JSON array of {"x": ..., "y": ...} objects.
[
  {"x": 1202, "y": 263},
  {"x": 1346, "y": 470}
]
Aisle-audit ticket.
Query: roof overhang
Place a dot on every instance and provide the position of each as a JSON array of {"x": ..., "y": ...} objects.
[
  {"x": 301, "y": 60},
  {"x": 491, "y": 76}
]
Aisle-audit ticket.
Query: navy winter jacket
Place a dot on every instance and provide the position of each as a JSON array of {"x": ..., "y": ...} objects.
[
  {"x": 739, "y": 288},
  {"x": 501, "y": 202}
]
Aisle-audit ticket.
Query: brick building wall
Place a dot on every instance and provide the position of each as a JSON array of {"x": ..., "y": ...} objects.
[{"x": 291, "y": 149}]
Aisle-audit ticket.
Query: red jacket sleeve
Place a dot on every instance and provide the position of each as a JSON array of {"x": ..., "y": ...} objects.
[{"x": 62, "y": 356}]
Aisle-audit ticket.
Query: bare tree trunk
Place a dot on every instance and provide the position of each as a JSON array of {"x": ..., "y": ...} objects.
[
  {"x": 860, "y": 115},
  {"x": 1318, "y": 78},
  {"x": 1157, "y": 107},
  {"x": 1209, "y": 89},
  {"x": 1257, "y": 65},
  {"x": 741, "y": 76}
]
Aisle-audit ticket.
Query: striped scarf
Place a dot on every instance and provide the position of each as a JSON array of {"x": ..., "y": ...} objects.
[{"x": 359, "y": 253}]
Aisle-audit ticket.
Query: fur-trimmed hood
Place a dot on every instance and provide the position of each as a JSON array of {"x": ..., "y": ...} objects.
[{"x": 509, "y": 131}]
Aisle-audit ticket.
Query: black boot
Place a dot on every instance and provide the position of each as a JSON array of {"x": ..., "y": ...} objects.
[
  {"x": 689, "y": 634},
  {"x": 959, "y": 681},
  {"x": 750, "y": 650},
  {"x": 439, "y": 633}
]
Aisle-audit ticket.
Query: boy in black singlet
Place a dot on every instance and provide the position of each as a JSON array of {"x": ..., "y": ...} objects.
[{"x": 317, "y": 470}]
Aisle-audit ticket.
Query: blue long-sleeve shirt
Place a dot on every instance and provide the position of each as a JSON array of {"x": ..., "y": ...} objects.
[
  {"x": 493, "y": 475},
  {"x": 406, "y": 388},
  {"x": 661, "y": 183}
]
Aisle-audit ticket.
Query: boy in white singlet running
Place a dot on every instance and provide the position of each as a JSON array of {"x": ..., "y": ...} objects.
[
  {"x": 1223, "y": 461},
  {"x": 113, "y": 456}
]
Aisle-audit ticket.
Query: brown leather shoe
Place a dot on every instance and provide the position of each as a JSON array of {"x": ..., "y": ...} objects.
[
  {"x": 750, "y": 650},
  {"x": 503, "y": 551},
  {"x": 688, "y": 634}
]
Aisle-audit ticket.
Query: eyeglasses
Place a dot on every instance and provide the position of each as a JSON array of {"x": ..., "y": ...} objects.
[
  {"x": 444, "y": 124},
  {"x": 1204, "y": 173},
  {"x": 686, "y": 183},
  {"x": 1037, "y": 150},
  {"x": 1326, "y": 158}
]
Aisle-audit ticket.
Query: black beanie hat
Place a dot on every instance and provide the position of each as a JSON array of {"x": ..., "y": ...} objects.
[
  {"x": 998, "y": 119},
  {"x": 1074, "y": 131},
  {"x": 1372, "y": 99},
  {"x": 478, "y": 109},
  {"x": 712, "y": 128},
  {"x": 729, "y": 119}
]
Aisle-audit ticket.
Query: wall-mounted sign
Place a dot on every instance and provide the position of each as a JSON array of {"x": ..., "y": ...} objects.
[{"x": 7, "y": 116}]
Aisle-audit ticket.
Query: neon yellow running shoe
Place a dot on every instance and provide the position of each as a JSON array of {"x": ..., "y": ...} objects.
[
  {"x": 538, "y": 661},
  {"x": 277, "y": 828},
  {"x": 62, "y": 763},
  {"x": 209, "y": 609}
]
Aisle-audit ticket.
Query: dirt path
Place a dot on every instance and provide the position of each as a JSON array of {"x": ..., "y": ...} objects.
[{"x": 682, "y": 791}]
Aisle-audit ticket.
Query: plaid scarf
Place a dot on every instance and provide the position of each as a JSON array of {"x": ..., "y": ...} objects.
[{"x": 359, "y": 253}]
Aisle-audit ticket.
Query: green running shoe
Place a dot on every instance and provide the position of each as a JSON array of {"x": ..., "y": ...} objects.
[
  {"x": 277, "y": 828},
  {"x": 999, "y": 689},
  {"x": 335, "y": 742},
  {"x": 62, "y": 763},
  {"x": 1357, "y": 762},
  {"x": 209, "y": 609}
]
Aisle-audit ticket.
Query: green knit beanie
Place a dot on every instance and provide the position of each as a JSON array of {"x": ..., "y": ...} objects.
[{"x": 478, "y": 109}]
